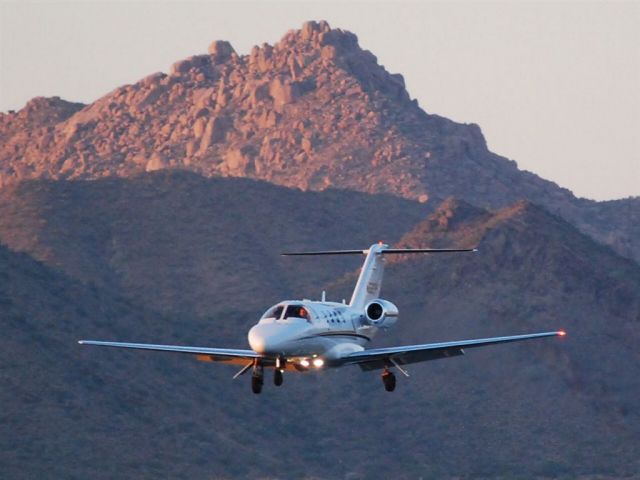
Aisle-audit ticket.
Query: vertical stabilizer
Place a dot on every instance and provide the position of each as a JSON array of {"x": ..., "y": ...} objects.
[{"x": 370, "y": 279}]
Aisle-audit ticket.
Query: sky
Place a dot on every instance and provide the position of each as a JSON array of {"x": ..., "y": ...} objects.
[{"x": 554, "y": 86}]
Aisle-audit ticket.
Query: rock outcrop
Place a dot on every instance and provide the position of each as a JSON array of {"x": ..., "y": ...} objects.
[{"x": 313, "y": 111}]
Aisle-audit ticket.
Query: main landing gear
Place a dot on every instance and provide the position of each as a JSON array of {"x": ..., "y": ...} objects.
[
  {"x": 278, "y": 378},
  {"x": 257, "y": 378},
  {"x": 389, "y": 380}
]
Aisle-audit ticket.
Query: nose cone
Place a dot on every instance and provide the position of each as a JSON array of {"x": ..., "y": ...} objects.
[
  {"x": 257, "y": 339},
  {"x": 272, "y": 337}
]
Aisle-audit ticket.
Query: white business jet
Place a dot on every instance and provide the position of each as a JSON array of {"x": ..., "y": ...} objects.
[{"x": 305, "y": 335}]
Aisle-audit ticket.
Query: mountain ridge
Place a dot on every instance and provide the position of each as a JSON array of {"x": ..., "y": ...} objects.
[{"x": 312, "y": 111}]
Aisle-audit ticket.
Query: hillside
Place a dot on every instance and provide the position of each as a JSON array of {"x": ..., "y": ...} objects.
[
  {"x": 313, "y": 111},
  {"x": 163, "y": 239},
  {"x": 557, "y": 407}
]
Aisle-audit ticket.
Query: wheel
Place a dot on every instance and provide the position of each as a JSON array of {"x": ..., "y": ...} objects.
[
  {"x": 256, "y": 384},
  {"x": 278, "y": 378},
  {"x": 389, "y": 381}
]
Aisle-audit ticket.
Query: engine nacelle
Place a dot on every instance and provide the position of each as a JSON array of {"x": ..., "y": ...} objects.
[{"x": 381, "y": 313}]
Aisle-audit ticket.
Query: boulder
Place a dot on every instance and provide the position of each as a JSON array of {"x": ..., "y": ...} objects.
[
  {"x": 199, "y": 126},
  {"x": 307, "y": 145},
  {"x": 221, "y": 95},
  {"x": 214, "y": 132},
  {"x": 180, "y": 67},
  {"x": 190, "y": 149},
  {"x": 342, "y": 40},
  {"x": 308, "y": 29},
  {"x": 156, "y": 162},
  {"x": 236, "y": 160},
  {"x": 283, "y": 92},
  {"x": 268, "y": 119},
  {"x": 258, "y": 93},
  {"x": 294, "y": 68},
  {"x": 221, "y": 51}
]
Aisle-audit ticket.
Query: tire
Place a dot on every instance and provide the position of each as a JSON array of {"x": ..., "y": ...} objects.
[
  {"x": 389, "y": 380},
  {"x": 278, "y": 378},
  {"x": 256, "y": 385}
]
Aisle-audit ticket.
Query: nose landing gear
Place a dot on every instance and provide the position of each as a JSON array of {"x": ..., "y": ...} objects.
[
  {"x": 257, "y": 375},
  {"x": 389, "y": 380}
]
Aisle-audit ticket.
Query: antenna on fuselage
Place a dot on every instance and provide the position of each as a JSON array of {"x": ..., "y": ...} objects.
[{"x": 324, "y": 296}]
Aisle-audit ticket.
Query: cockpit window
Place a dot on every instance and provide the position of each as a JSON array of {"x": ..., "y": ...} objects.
[
  {"x": 297, "y": 311},
  {"x": 274, "y": 312}
]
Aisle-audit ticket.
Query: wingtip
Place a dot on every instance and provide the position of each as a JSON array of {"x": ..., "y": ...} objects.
[
  {"x": 475, "y": 249},
  {"x": 561, "y": 333},
  {"x": 81, "y": 342}
]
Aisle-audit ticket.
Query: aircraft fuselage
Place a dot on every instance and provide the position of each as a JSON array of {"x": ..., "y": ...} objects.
[{"x": 323, "y": 329}]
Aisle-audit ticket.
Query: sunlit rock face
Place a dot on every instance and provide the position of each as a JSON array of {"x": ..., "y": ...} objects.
[{"x": 313, "y": 111}]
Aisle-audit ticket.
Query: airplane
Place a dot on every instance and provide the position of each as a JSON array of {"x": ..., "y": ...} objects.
[{"x": 305, "y": 335}]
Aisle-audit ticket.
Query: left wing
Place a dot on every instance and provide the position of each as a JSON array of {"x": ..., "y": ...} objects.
[
  {"x": 377, "y": 358},
  {"x": 226, "y": 355}
]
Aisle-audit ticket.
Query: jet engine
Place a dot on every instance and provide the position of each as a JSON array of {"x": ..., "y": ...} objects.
[{"x": 381, "y": 313}]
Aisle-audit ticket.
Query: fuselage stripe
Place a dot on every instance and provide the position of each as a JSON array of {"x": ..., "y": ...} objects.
[{"x": 343, "y": 334}]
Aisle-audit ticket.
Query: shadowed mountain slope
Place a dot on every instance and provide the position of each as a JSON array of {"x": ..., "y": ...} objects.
[
  {"x": 533, "y": 272},
  {"x": 547, "y": 409},
  {"x": 180, "y": 243},
  {"x": 313, "y": 111}
]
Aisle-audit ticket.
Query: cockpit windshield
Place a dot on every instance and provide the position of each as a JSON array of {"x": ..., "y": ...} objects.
[
  {"x": 297, "y": 311},
  {"x": 274, "y": 312},
  {"x": 293, "y": 310}
]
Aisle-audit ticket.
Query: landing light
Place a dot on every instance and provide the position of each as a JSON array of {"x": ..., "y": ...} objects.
[
  {"x": 304, "y": 362},
  {"x": 318, "y": 362}
]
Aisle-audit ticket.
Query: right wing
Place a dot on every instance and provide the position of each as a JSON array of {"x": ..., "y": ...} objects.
[
  {"x": 206, "y": 354},
  {"x": 377, "y": 358}
]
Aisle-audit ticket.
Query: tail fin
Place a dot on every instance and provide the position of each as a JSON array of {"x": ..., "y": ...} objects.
[{"x": 370, "y": 279}]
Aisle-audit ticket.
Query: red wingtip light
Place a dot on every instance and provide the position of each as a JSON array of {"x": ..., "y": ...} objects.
[{"x": 562, "y": 333}]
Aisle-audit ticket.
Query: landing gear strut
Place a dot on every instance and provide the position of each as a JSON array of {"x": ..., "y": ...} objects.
[
  {"x": 257, "y": 378},
  {"x": 277, "y": 372},
  {"x": 389, "y": 380}
]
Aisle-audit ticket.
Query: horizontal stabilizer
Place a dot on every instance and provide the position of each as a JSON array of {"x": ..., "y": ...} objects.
[
  {"x": 383, "y": 251},
  {"x": 327, "y": 252},
  {"x": 427, "y": 250}
]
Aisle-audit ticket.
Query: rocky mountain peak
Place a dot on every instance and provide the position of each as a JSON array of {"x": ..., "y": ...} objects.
[
  {"x": 305, "y": 112},
  {"x": 313, "y": 111}
]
